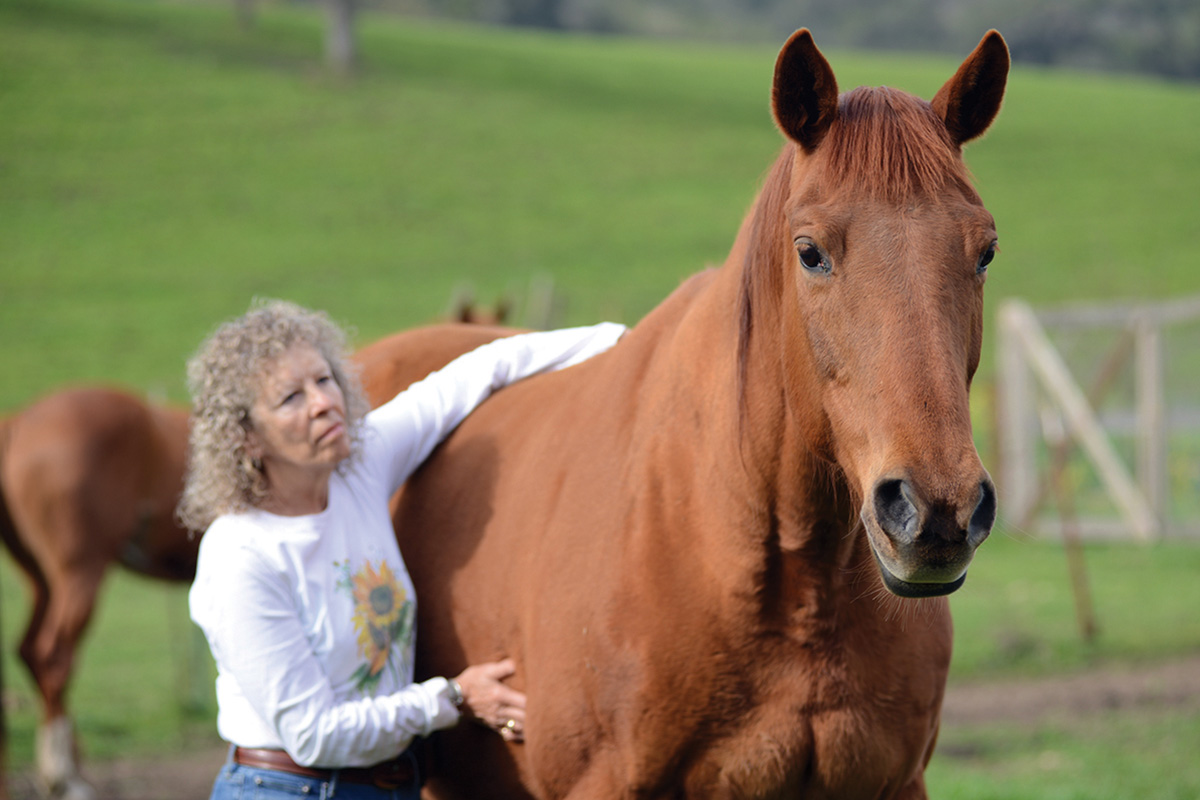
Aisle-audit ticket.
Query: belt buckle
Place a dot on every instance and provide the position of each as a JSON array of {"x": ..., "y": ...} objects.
[{"x": 393, "y": 774}]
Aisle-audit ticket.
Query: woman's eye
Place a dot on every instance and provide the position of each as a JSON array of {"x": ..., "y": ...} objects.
[
  {"x": 986, "y": 259},
  {"x": 811, "y": 257}
]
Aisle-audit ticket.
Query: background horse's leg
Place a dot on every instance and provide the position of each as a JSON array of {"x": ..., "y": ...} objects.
[
  {"x": 62, "y": 610},
  {"x": 58, "y": 761},
  {"x": 40, "y": 603}
]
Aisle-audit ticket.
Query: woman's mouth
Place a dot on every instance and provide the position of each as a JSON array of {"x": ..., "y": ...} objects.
[{"x": 333, "y": 431}]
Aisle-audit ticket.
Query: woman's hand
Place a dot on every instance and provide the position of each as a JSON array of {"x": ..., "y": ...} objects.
[{"x": 490, "y": 702}]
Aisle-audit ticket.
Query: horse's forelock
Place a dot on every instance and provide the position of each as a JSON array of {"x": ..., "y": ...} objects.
[
  {"x": 888, "y": 145},
  {"x": 885, "y": 145}
]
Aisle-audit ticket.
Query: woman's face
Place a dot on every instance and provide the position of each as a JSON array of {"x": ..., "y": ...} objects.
[{"x": 298, "y": 422}]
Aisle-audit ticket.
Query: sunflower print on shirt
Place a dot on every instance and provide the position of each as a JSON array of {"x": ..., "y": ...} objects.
[{"x": 383, "y": 619}]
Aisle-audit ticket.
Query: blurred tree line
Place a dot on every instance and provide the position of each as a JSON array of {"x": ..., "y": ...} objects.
[{"x": 1155, "y": 36}]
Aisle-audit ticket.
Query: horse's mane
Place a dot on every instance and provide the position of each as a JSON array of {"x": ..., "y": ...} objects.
[
  {"x": 884, "y": 145},
  {"x": 766, "y": 239}
]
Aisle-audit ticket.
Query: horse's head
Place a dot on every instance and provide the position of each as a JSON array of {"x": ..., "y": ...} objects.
[{"x": 885, "y": 247}]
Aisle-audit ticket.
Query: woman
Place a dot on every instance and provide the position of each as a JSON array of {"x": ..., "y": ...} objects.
[{"x": 300, "y": 587}]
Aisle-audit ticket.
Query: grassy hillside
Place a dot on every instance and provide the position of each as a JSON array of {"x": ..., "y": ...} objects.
[{"x": 158, "y": 168}]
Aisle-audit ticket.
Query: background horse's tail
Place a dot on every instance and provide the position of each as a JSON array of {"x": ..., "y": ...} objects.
[
  {"x": 7, "y": 529},
  {"x": 8, "y": 532},
  {"x": 24, "y": 558}
]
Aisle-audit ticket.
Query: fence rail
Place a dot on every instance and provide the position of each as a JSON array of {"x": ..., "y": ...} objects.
[{"x": 1045, "y": 415}]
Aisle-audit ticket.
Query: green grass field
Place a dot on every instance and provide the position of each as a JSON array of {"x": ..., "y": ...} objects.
[
  {"x": 1109, "y": 756},
  {"x": 159, "y": 167}
]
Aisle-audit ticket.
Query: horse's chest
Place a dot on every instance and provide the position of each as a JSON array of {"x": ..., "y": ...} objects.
[
  {"x": 835, "y": 719},
  {"x": 867, "y": 750}
]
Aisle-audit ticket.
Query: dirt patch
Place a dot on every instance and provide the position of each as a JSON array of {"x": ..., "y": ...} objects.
[
  {"x": 176, "y": 777},
  {"x": 1172, "y": 684},
  {"x": 1167, "y": 685}
]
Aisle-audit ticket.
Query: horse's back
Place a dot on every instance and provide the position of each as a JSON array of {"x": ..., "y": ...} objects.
[
  {"x": 61, "y": 438},
  {"x": 87, "y": 468},
  {"x": 389, "y": 365}
]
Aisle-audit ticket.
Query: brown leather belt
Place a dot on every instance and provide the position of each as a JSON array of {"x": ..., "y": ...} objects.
[{"x": 398, "y": 772}]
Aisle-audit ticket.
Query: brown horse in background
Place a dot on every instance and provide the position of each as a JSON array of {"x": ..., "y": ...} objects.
[
  {"x": 718, "y": 551},
  {"x": 88, "y": 477}
]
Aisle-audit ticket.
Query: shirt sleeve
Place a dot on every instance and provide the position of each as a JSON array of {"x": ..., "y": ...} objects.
[
  {"x": 258, "y": 642},
  {"x": 413, "y": 423}
]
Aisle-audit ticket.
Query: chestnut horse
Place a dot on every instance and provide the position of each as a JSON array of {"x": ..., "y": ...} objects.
[
  {"x": 88, "y": 477},
  {"x": 718, "y": 552}
]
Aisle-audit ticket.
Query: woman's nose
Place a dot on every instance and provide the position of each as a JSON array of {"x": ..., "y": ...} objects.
[{"x": 321, "y": 399}]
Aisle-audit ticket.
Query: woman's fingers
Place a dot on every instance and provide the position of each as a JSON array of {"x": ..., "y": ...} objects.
[
  {"x": 492, "y": 702},
  {"x": 499, "y": 670},
  {"x": 508, "y": 715},
  {"x": 510, "y": 697},
  {"x": 512, "y": 732},
  {"x": 512, "y": 726}
]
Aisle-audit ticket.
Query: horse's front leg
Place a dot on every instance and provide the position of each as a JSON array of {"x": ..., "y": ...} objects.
[{"x": 914, "y": 789}]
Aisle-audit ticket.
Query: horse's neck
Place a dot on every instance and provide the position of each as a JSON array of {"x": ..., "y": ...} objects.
[{"x": 729, "y": 451}]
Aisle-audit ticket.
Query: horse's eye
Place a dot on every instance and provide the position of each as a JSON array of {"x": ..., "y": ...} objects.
[
  {"x": 986, "y": 259},
  {"x": 811, "y": 257}
]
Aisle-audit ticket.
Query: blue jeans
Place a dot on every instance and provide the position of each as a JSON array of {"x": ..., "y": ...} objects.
[{"x": 239, "y": 782}]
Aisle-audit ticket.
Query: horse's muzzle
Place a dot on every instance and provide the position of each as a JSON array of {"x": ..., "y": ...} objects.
[{"x": 923, "y": 549}]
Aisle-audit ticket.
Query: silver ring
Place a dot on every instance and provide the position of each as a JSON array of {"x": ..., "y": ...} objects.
[{"x": 511, "y": 725}]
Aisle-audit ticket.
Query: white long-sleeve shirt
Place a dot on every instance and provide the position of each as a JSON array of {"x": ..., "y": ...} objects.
[{"x": 311, "y": 619}]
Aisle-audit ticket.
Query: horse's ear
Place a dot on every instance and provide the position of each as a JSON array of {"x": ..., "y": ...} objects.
[
  {"x": 804, "y": 97},
  {"x": 971, "y": 99}
]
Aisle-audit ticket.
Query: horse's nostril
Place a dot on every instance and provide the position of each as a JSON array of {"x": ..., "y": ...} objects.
[
  {"x": 895, "y": 510},
  {"x": 984, "y": 515}
]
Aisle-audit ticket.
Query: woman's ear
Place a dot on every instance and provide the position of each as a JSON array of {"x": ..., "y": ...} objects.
[{"x": 252, "y": 443}]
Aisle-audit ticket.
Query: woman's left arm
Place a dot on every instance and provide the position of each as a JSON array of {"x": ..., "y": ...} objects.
[{"x": 416, "y": 420}]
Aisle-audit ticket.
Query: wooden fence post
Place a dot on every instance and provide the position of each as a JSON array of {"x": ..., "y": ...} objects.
[
  {"x": 1151, "y": 416},
  {"x": 1080, "y": 419},
  {"x": 1016, "y": 420}
]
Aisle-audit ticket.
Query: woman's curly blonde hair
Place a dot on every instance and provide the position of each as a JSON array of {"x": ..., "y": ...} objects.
[{"x": 224, "y": 377}]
